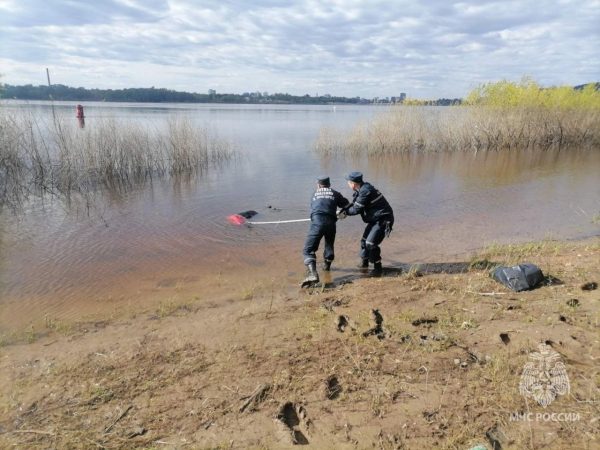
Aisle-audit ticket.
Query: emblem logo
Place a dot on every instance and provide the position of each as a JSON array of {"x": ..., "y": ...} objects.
[{"x": 544, "y": 377}]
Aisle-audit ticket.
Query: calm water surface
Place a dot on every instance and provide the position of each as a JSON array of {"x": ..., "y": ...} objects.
[{"x": 170, "y": 240}]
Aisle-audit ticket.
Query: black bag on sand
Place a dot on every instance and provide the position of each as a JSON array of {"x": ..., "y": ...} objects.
[{"x": 521, "y": 277}]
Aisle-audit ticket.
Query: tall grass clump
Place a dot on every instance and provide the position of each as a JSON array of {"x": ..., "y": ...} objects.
[
  {"x": 13, "y": 167},
  {"x": 56, "y": 158},
  {"x": 494, "y": 116}
]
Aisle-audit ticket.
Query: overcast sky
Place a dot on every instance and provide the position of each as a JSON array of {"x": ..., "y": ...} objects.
[{"x": 428, "y": 49}]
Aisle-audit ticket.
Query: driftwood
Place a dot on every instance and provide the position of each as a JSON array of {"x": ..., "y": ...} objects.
[{"x": 253, "y": 400}]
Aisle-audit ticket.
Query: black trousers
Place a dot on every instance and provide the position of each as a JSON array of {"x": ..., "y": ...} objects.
[
  {"x": 316, "y": 232},
  {"x": 373, "y": 236}
]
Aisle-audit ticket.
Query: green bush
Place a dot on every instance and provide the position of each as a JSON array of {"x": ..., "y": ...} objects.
[{"x": 529, "y": 94}]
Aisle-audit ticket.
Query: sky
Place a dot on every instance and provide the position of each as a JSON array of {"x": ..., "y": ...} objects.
[{"x": 426, "y": 49}]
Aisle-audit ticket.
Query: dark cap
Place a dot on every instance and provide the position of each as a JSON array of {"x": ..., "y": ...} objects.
[
  {"x": 323, "y": 181},
  {"x": 355, "y": 177}
]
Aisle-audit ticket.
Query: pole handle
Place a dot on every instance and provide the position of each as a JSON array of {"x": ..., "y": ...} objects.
[{"x": 279, "y": 221}]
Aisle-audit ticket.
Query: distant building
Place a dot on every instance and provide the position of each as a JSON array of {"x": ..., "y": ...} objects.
[
  {"x": 211, "y": 92},
  {"x": 398, "y": 99}
]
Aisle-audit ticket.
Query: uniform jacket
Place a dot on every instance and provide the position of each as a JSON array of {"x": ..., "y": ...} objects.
[
  {"x": 324, "y": 204},
  {"x": 370, "y": 204}
]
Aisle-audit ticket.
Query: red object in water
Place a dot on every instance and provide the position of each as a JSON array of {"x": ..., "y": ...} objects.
[
  {"x": 236, "y": 219},
  {"x": 79, "y": 112}
]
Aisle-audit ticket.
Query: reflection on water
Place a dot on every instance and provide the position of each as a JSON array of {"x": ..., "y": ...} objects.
[
  {"x": 461, "y": 202},
  {"x": 170, "y": 239}
]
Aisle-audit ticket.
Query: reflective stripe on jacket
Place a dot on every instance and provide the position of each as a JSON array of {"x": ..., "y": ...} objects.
[{"x": 370, "y": 204}]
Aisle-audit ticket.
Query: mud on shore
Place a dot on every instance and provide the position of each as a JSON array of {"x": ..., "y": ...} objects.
[{"x": 426, "y": 357}]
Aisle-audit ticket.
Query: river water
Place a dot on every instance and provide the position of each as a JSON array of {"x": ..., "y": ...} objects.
[{"x": 169, "y": 241}]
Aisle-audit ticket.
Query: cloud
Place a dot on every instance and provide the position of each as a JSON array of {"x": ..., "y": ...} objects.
[
  {"x": 343, "y": 47},
  {"x": 35, "y": 13}
]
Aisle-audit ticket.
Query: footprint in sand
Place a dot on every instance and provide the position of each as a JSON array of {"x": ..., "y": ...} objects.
[
  {"x": 293, "y": 423},
  {"x": 332, "y": 387},
  {"x": 377, "y": 328}
]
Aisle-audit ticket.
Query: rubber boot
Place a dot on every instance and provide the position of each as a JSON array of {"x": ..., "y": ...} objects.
[
  {"x": 363, "y": 265},
  {"x": 377, "y": 270},
  {"x": 326, "y": 265},
  {"x": 312, "y": 277}
]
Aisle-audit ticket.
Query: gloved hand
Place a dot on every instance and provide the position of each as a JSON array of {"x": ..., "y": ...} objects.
[
  {"x": 388, "y": 228},
  {"x": 341, "y": 214}
]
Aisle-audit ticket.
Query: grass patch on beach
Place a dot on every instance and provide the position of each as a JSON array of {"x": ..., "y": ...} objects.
[{"x": 510, "y": 253}]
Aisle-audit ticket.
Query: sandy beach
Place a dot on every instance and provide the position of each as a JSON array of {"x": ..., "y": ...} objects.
[{"x": 438, "y": 365}]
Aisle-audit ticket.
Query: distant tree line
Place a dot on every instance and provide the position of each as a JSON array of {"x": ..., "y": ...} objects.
[
  {"x": 153, "y": 95},
  {"x": 596, "y": 86},
  {"x": 438, "y": 102}
]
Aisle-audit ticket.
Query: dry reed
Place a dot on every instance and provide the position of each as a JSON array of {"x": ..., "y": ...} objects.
[
  {"x": 405, "y": 129},
  {"x": 53, "y": 158}
]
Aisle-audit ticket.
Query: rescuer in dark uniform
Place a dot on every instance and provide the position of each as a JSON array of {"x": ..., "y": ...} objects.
[
  {"x": 323, "y": 207},
  {"x": 376, "y": 212}
]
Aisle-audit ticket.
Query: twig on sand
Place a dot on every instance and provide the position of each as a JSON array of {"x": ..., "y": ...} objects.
[
  {"x": 49, "y": 433},
  {"x": 426, "y": 370},
  {"x": 256, "y": 397},
  {"x": 108, "y": 428},
  {"x": 228, "y": 388},
  {"x": 97, "y": 444},
  {"x": 491, "y": 294}
]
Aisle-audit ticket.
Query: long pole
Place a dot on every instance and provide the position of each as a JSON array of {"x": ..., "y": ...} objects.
[
  {"x": 279, "y": 221},
  {"x": 50, "y": 95}
]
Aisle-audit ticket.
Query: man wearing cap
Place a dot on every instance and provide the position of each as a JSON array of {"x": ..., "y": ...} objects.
[
  {"x": 323, "y": 206},
  {"x": 376, "y": 212}
]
